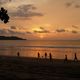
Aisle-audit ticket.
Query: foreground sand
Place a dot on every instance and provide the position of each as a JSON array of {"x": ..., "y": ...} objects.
[{"x": 16, "y": 68}]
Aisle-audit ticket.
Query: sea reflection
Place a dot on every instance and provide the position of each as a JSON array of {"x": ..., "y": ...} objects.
[
  {"x": 57, "y": 53},
  {"x": 28, "y": 48}
]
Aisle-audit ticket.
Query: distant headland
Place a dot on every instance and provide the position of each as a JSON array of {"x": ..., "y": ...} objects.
[{"x": 10, "y": 38}]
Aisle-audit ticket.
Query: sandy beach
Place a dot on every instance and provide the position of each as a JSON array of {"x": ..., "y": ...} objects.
[{"x": 22, "y": 68}]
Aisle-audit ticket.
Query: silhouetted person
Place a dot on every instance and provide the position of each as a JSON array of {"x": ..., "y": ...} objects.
[
  {"x": 18, "y": 54},
  {"x": 45, "y": 55},
  {"x": 38, "y": 55},
  {"x": 3, "y": 15},
  {"x": 65, "y": 58},
  {"x": 50, "y": 56},
  {"x": 75, "y": 57}
]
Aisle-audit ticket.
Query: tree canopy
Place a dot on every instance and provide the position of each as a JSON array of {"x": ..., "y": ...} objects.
[{"x": 3, "y": 15}]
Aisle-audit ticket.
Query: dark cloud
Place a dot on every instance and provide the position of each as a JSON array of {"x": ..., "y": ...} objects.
[
  {"x": 26, "y": 11},
  {"x": 77, "y": 6},
  {"x": 69, "y": 4},
  {"x": 4, "y": 1},
  {"x": 3, "y": 31},
  {"x": 27, "y": 7},
  {"x": 17, "y": 27},
  {"x": 60, "y": 30},
  {"x": 12, "y": 27},
  {"x": 42, "y": 30},
  {"x": 35, "y": 31},
  {"x": 74, "y": 31},
  {"x": 28, "y": 32},
  {"x": 14, "y": 32},
  {"x": 10, "y": 32},
  {"x": 73, "y": 3},
  {"x": 76, "y": 27},
  {"x": 64, "y": 30}
]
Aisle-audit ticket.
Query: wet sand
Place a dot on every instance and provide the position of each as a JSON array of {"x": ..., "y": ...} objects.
[{"x": 21, "y": 68}]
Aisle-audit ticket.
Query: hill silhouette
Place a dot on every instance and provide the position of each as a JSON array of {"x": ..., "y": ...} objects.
[{"x": 10, "y": 38}]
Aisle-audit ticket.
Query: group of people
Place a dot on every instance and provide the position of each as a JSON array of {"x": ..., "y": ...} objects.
[
  {"x": 75, "y": 58},
  {"x": 50, "y": 56}
]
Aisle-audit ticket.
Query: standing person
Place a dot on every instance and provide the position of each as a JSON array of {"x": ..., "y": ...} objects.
[
  {"x": 18, "y": 54},
  {"x": 50, "y": 56},
  {"x": 38, "y": 55},
  {"x": 65, "y": 58},
  {"x": 45, "y": 55},
  {"x": 75, "y": 57}
]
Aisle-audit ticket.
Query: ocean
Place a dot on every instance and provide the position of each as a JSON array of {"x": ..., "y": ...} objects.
[{"x": 30, "y": 48}]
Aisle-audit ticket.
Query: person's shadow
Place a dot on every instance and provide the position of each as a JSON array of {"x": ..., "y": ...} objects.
[{"x": 3, "y": 15}]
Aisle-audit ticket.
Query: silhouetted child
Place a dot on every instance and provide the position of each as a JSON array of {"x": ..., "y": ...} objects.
[
  {"x": 38, "y": 55},
  {"x": 75, "y": 57},
  {"x": 50, "y": 56},
  {"x": 18, "y": 54},
  {"x": 45, "y": 55},
  {"x": 65, "y": 60}
]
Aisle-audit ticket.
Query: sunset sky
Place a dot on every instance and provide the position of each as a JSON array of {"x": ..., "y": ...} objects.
[{"x": 42, "y": 19}]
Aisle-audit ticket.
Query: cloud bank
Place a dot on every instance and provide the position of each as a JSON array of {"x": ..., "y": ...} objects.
[
  {"x": 66, "y": 30},
  {"x": 25, "y": 11},
  {"x": 75, "y": 4},
  {"x": 20, "y": 10}
]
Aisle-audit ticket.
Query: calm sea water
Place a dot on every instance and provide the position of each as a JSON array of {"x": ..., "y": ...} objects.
[{"x": 30, "y": 48}]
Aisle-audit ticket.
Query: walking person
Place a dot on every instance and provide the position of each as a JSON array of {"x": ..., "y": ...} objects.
[
  {"x": 50, "y": 56},
  {"x": 75, "y": 57},
  {"x": 65, "y": 60},
  {"x": 45, "y": 55},
  {"x": 18, "y": 54},
  {"x": 38, "y": 55}
]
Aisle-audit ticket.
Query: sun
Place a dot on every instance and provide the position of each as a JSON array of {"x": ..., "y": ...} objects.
[{"x": 38, "y": 32}]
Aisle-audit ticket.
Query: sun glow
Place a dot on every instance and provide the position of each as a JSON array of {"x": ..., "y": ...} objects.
[
  {"x": 38, "y": 33},
  {"x": 36, "y": 29},
  {"x": 41, "y": 36}
]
